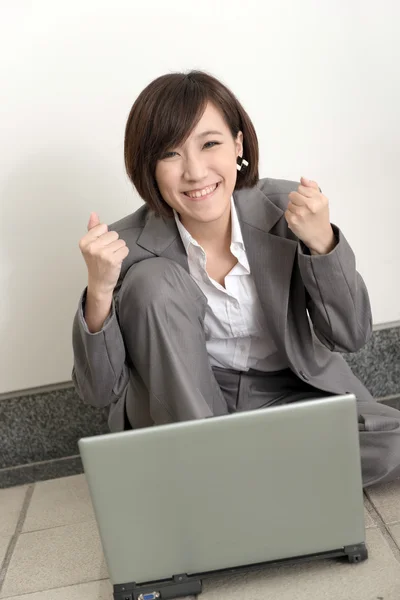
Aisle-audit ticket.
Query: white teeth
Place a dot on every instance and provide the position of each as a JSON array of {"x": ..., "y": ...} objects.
[{"x": 201, "y": 193}]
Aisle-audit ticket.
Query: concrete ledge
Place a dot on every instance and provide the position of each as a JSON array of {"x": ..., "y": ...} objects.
[{"x": 31, "y": 473}]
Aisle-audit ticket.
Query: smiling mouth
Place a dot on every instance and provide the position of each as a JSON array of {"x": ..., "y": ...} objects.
[{"x": 203, "y": 193}]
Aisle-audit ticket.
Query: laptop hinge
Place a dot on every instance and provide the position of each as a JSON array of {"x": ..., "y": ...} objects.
[{"x": 179, "y": 586}]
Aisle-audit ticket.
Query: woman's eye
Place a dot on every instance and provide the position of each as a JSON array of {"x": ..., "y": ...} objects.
[
  {"x": 213, "y": 144},
  {"x": 207, "y": 145}
]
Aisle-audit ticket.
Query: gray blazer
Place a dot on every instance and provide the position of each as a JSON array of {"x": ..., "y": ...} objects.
[{"x": 315, "y": 306}]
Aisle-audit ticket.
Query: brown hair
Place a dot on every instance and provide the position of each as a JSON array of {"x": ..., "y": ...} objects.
[{"x": 163, "y": 116}]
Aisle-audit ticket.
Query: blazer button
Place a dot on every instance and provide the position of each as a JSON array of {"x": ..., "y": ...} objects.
[{"x": 304, "y": 376}]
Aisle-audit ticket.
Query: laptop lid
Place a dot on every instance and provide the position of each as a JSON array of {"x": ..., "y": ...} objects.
[{"x": 228, "y": 491}]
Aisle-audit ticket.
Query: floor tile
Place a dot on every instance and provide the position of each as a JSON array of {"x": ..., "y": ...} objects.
[
  {"x": 377, "y": 577},
  {"x": 369, "y": 522},
  {"x": 4, "y": 541},
  {"x": 95, "y": 590},
  {"x": 11, "y": 501},
  {"x": 395, "y": 531},
  {"x": 58, "y": 502},
  {"x": 54, "y": 558},
  {"x": 386, "y": 500}
]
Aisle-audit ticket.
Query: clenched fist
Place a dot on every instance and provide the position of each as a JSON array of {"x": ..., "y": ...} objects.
[
  {"x": 103, "y": 252},
  {"x": 307, "y": 216}
]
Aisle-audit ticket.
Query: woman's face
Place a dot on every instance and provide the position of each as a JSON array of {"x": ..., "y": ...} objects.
[{"x": 197, "y": 179}]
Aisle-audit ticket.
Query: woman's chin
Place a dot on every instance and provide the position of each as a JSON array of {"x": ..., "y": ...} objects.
[{"x": 209, "y": 216}]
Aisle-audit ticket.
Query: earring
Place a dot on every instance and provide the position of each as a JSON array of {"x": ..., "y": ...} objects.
[{"x": 241, "y": 162}]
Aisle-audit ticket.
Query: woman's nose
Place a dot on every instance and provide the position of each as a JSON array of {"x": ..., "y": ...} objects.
[{"x": 194, "y": 169}]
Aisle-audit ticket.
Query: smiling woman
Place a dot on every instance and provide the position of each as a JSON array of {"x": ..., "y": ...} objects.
[
  {"x": 180, "y": 130},
  {"x": 224, "y": 292}
]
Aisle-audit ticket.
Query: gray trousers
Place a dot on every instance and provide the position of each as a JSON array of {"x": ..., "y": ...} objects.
[{"x": 161, "y": 314}]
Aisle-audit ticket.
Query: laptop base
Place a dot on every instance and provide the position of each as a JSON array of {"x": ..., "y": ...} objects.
[{"x": 186, "y": 585}]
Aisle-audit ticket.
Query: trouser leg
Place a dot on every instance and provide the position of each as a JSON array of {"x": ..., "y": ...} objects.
[
  {"x": 252, "y": 389},
  {"x": 161, "y": 313},
  {"x": 379, "y": 427}
]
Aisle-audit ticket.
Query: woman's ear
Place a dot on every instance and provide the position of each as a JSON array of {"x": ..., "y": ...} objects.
[{"x": 239, "y": 144}]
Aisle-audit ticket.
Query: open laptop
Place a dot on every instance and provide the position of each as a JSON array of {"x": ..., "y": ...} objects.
[{"x": 175, "y": 503}]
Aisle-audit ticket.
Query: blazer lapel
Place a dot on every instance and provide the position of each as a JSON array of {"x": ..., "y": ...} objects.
[
  {"x": 270, "y": 256},
  {"x": 161, "y": 237}
]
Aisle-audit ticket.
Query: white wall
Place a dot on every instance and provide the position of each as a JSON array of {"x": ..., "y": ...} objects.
[{"x": 319, "y": 79}]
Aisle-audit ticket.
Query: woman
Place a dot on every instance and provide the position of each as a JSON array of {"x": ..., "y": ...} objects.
[{"x": 223, "y": 292}]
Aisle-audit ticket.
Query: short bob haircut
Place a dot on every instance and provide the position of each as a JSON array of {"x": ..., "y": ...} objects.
[{"x": 163, "y": 116}]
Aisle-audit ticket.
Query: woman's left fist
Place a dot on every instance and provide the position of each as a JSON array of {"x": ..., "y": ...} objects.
[{"x": 307, "y": 216}]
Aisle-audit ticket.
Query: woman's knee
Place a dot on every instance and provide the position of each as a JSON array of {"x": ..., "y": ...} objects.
[{"x": 156, "y": 281}]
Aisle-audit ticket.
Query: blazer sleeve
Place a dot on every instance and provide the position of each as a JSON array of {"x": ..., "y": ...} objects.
[
  {"x": 338, "y": 301},
  {"x": 100, "y": 373}
]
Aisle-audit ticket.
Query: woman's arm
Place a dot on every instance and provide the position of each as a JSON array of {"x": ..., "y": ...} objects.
[
  {"x": 100, "y": 373},
  {"x": 97, "y": 309},
  {"x": 338, "y": 300}
]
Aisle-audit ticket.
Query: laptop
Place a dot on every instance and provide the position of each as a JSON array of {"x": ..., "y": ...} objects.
[{"x": 179, "y": 502}]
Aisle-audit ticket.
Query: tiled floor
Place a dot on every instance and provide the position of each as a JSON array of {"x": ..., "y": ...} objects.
[{"x": 50, "y": 550}]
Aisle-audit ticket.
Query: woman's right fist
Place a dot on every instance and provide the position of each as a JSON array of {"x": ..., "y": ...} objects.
[{"x": 103, "y": 252}]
